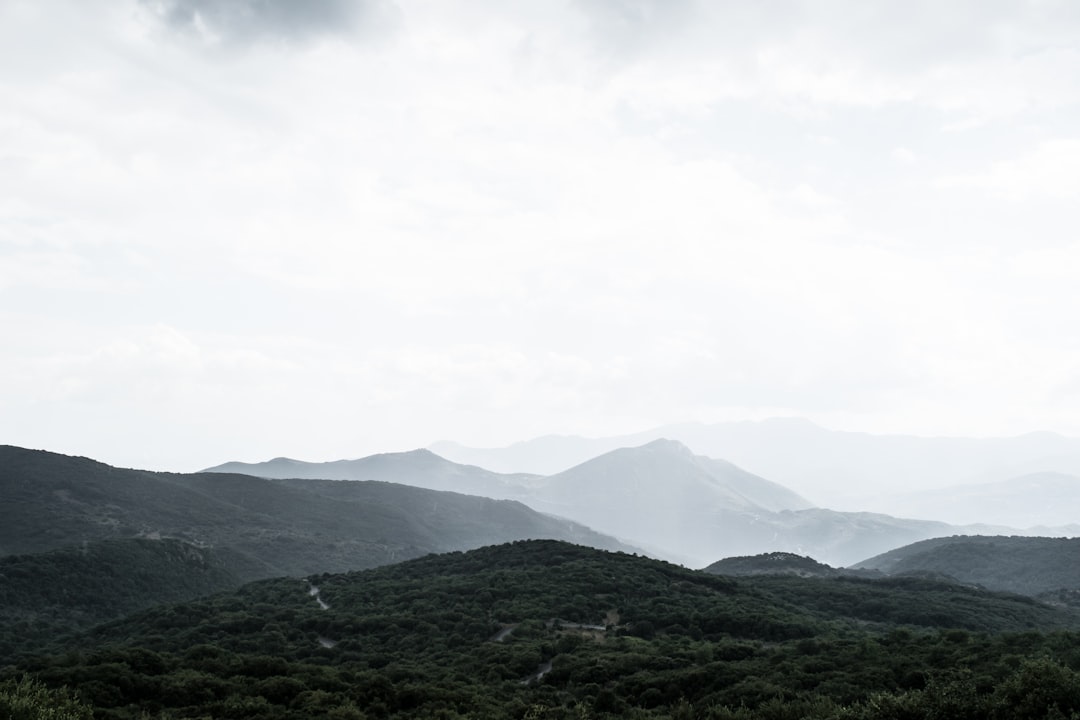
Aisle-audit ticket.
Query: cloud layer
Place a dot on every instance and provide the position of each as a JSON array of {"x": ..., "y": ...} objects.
[
  {"x": 246, "y": 21},
  {"x": 326, "y": 229}
]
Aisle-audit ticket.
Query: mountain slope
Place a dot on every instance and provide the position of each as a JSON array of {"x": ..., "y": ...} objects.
[
  {"x": 845, "y": 470},
  {"x": 664, "y": 472},
  {"x": 60, "y": 591},
  {"x": 695, "y": 509},
  {"x": 267, "y": 527},
  {"x": 1042, "y": 500},
  {"x": 1025, "y": 565},
  {"x": 554, "y": 630},
  {"x": 419, "y": 468},
  {"x": 662, "y": 497}
]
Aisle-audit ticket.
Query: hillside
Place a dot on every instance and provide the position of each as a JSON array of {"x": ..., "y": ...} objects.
[
  {"x": 1044, "y": 501},
  {"x": 260, "y": 527},
  {"x": 547, "y": 629},
  {"x": 419, "y": 468},
  {"x": 775, "y": 563},
  {"x": 1025, "y": 565},
  {"x": 46, "y": 595}
]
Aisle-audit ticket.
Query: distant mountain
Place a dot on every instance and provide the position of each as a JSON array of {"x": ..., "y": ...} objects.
[
  {"x": 694, "y": 509},
  {"x": 1046, "y": 501},
  {"x": 259, "y": 527},
  {"x": 844, "y": 470},
  {"x": 671, "y": 501},
  {"x": 547, "y": 455},
  {"x": 1025, "y": 565},
  {"x": 661, "y": 497},
  {"x": 419, "y": 468}
]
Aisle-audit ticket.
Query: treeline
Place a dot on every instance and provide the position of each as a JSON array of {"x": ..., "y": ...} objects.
[{"x": 610, "y": 635}]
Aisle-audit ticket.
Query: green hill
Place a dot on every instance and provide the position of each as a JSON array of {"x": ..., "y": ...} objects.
[
  {"x": 1025, "y": 565},
  {"x": 49, "y": 594},
  {"x": 545, "y": 629},
  {"x": 775, "y": 563}
]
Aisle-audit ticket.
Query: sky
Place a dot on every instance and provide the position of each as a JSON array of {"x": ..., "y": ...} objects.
[{"x": 235, "y": 230}]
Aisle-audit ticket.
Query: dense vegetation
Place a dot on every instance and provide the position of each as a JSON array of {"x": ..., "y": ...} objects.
[
  {"x": 467, "y": 634},
  {"x": 1026, "y": 565},
  {"x": 26, "y": 699},
  {"x": 49, "y": 594},
  {"x": 774, "y": 563}
]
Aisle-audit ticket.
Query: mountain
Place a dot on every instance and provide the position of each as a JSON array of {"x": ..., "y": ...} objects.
[
  {"x": 677, "y": 504},
  {"x": 1044, "y": 501},
  {"x": 842, "y": 470},
  {"x": 419, "y": 468},
  {"x": 694, "y": 509},
  {"x": 259, "y": 527},
  {"x": 547, "y": 455},
  {"x": 548, "y": 629},
  {"x": 1025, "y": 565},
  {"x": 661, "y": 497},
  {"x": 666, "y": 472}
]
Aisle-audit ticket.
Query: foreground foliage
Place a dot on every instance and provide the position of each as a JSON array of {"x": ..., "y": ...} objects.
[
  {"x": 27, "y": 699},
  {"x": 542, "y": 629}
]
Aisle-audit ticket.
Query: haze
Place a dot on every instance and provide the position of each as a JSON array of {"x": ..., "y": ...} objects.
[{"x": 236, "y": 230}]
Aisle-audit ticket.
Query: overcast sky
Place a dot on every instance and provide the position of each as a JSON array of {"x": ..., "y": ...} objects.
[{"x": 248, "y": 228}]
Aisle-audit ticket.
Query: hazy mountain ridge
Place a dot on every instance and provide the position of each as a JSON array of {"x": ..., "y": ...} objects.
[
  {"x": 843, "y": 470},
  {"x": 1025, "y": 565},
  {"x": 260, "y": 527},
  {"x": 1043, "y": 501},
  {"x": 664, "y": 498},
  {"x": 419, "y": 468}
]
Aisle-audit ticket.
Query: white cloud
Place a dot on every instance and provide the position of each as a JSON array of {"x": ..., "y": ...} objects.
[
  {"x": 1051, "y": 170},
  {"x": 508, "y": 219}
]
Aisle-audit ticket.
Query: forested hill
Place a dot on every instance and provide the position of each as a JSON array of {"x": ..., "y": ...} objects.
[
  {"x": 261, "y": 528},
  {"x": 49, "y": 594},
  {"x": 775, "y": 563},
  {"x": 1026, "y": 565},
  {"x": 545, "y": 629}
]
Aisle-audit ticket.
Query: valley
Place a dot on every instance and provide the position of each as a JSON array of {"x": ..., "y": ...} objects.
[{"x": 384, "y": 590}]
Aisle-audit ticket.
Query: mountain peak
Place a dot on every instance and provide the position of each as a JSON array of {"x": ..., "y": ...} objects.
[{"x": 666, "y": 445}]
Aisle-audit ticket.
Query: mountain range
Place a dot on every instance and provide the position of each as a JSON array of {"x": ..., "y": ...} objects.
[
  {"x": 894, "y": 474},
  {"x": 257, "y": 527},
  {"x": 660, "y": 496},
  {"x": 530, "y": 628},
  {"x": 419, "y": 468}
]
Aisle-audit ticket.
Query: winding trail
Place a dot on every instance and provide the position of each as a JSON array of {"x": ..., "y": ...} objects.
[{"x": 313, "y": 591}]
